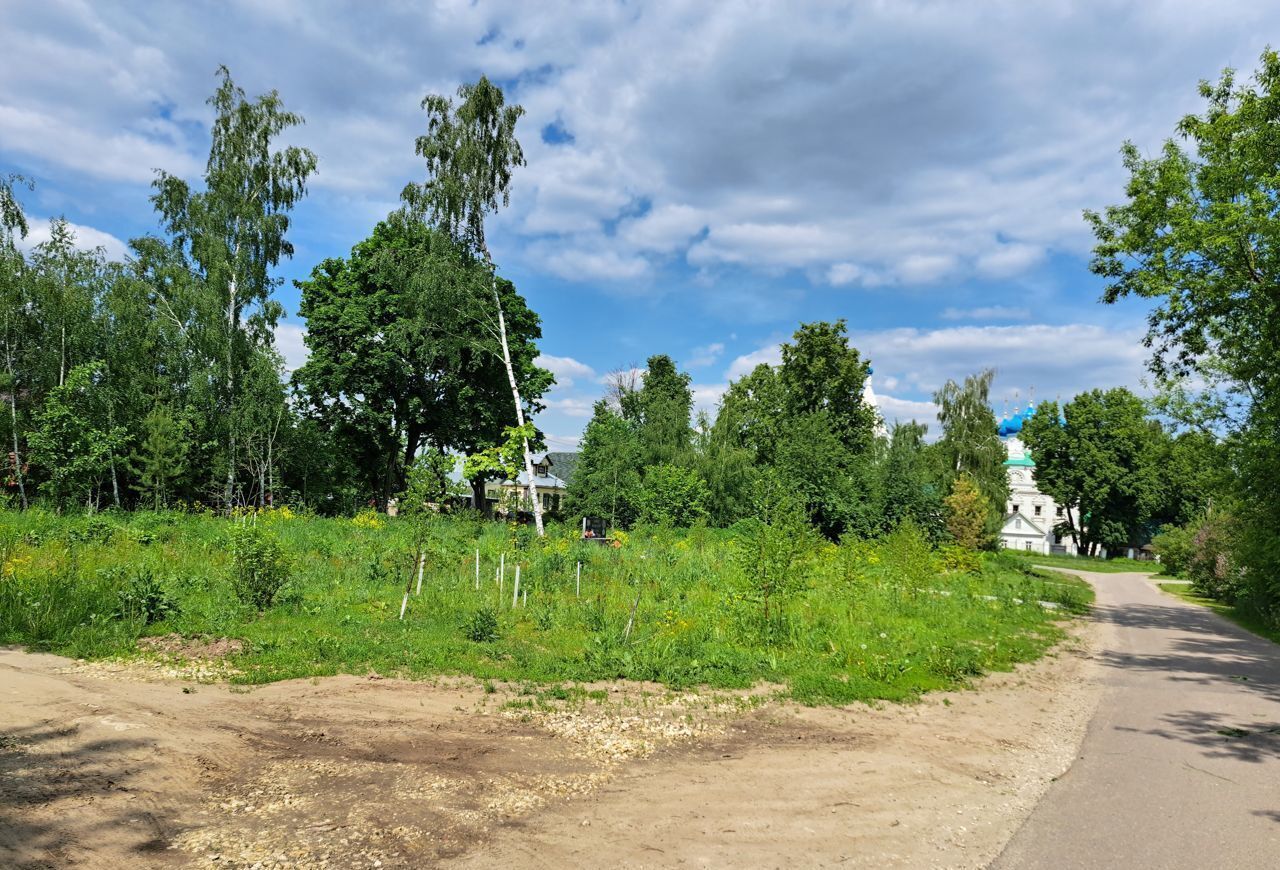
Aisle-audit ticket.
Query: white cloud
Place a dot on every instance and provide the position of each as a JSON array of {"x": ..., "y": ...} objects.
[
  {"x": 566, "y": 369},
  {"x": 745, "y": 364},
  {"x": 570, "y": 406},
  {"x": 895, "y": 410},
  {"x": 987, "y": 312},
  {"x": 705, "y": 355},
  {"x": 86, "y": 238},
  {"x": 706, "y": 397},
  {"x": 290, "y": 341}
]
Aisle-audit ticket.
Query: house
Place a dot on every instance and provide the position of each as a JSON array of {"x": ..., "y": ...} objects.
[
  {"x": 1030, "y": 515},
  {"x": 502, "y": 495}
]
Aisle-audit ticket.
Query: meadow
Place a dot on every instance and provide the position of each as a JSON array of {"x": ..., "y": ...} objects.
[
  {"x": 1093, "y": 563},
  {"x": 829, "y": 623}
]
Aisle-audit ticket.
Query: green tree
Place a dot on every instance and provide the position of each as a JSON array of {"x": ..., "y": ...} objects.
[
  {"x": 969, "y": 444},
  {"x": 672, "y": 495},
  {"x": 908, "y": 489},
  {"x": 235, "y": 232},
  {"x": 967, "y": 514},
  {"x": 1199, "y": 235},
  {"x": 160, "y": 459},
  {"x": 15, "y": 325},
  {"x": 821, "y": 372},
  {"x": 664, "y": 403},
  {"x": 607, "y": 480},
  {"x": 471, "y": 152},
  {"x": 392, "y": 345},
  {"x": 72, "y": 440},
  {"x": 1098, "y": 456}
]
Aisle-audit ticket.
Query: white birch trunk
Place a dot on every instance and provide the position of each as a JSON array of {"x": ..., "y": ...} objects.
[
  {"x": 13, "y": 416},
  {"x": 515, "y": 394}
]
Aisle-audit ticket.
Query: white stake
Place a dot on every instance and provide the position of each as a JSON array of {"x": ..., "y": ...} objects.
[
  {"x": 515, "y": 595},
  {"x": 577, "y": 583},
  {"x": 502, "y": 569},
  {"x": 422, "y": 562},
  {"x": 404, "y": 603},
  {"x": 477, "y": 570},
  {"x": 524, "y": 598}
]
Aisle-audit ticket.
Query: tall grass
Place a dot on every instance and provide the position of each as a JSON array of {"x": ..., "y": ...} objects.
[{"x": 868, "y": 619}]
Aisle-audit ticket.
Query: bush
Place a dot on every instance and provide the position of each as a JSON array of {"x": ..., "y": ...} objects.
[
  {"x": 1210, "y": 568},
  {"x": 1175, "y": 546},
  {"x": 481, "y": 626},
  {"x": 958, "y": 560},
  {"x": 143, "y": 597},
  {"x": 260, "y": 566}
]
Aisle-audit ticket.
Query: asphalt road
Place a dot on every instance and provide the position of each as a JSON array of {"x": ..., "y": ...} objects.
[{"x": 1180, "y": 766}]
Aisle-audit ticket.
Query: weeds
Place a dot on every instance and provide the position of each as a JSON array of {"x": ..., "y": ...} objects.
[{"x": 855, "y": 621}]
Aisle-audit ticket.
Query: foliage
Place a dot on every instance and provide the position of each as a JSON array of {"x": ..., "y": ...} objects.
[
  {"x": 967, "y": 513},
  {"x": 606, "y": 482},
  {"x": 1175, "y": 546},
  {"x": 1210, "y": 566},
  {"x": 969, "y": 445},
  {"x": 831, "y": 638},
  {"x": 1199, "y": 235},
  {"x": 908, "y": 489},
  {"x": 481, "y": 626},
  {"x": 72, "y": 439},
  {"x": 770, "y": 549},
  {"x": 161, "y": 458},
  {"x": 144, "y": 597},
  {"x": 260, "y": 567},
  {"x": 672, "y": 496}
]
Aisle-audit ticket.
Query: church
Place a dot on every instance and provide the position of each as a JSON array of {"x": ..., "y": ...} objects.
[{"x": 1030, "y": 515}]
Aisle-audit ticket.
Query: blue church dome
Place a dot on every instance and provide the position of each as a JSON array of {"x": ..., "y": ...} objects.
[{"x": 1013, "y": 425}]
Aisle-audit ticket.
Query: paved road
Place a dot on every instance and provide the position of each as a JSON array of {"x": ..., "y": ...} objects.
[{"x": 1180, "y": 766}]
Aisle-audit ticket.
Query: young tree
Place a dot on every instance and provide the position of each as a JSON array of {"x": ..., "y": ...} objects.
[
  {"x": 908, "y": 489},
  {"x": 607, "y": 480},
  {"x": 967, "y": 514},
  {"x": 672, "y": 496},
  {"x": 161, "y": 457},
  {"x": 471, "y": 153},
  {"x": 235, "y": 231},
  {"x": 72, "y": 439}
]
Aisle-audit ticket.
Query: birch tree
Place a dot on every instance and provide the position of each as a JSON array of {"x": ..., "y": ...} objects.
[
  {"x": 471, "y": 151},
  {"x": 235, "y": 231},
  {"x": 13, "y": 226}
]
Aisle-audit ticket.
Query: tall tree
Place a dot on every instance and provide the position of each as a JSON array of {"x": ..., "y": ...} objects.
[
  {"x": 969, "y": 445},
  {"x": 606, "y": 481},
  {"x": 14, "y": 322},
  {"x": 391, "y": 342},
  {"x": 1098, "y": 456},
  {"x": 471, "y": 153},
  {"x": 821, "y": 372},
  {"x": 1199, "y": 234},
  {"x": 663, "y": 405},
  {"x": 235, "y": 231}
]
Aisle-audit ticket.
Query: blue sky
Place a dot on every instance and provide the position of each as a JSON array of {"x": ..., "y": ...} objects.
[{"x": 701, "y": 178}]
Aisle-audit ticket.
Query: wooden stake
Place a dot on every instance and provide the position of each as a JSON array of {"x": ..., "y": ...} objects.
[{"x": 632, "y": 618}]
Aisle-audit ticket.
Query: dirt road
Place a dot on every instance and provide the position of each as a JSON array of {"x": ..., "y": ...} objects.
[
  {"x": 127, "y": 766},
  {"x": 1181, "y": 765}
]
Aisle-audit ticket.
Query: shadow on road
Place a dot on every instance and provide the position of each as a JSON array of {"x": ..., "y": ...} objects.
[
  {"x": 1198, "y": 648},
  {"x": 41, "y": 787}
]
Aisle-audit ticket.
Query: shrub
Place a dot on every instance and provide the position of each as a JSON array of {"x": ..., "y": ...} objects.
[
  {"x": 1175, "y": 545},
  {"x": 481, "y": 626},
  {"x": 959, "y": 560},
  {"x": 143, "y": 597},
  {"x": 967, "y": 513},
  {"x": 260, "y": 566},
  {"x": 1210, "y": 568}
]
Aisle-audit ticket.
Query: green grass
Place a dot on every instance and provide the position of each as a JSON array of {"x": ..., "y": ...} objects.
[
  {"x": 1243, "y": 618},
  {"x": 1091, "y": 563},
  {"x": 866, "y": 620}
]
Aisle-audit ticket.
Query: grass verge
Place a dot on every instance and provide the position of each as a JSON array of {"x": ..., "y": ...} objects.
[
  {"x": 1242, "y": 618},
  {"x": 1089, "y": 563}
]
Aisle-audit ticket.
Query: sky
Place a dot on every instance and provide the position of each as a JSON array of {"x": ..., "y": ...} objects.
[{"x": 701, "y": 178}]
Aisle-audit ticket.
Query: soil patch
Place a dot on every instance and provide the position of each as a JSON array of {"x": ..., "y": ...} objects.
[{"x": 128, "y": 767}]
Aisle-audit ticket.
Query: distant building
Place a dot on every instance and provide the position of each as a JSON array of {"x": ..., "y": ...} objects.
[
  {"x": 502, "y": 496},
  {"x": 1030, "y": 515}
]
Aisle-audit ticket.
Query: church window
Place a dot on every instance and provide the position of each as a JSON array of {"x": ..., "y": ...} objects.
[
  {"x": 1059, "y": 512},
  {"x": 1037, "y": 510},
  {"x": 1028, "y": 545},
  {"x": 1016, "y": 508}
]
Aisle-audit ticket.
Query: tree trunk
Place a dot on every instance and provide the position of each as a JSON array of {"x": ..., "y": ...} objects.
[
  {"x": 13, "y": 416},
  {"x": 477, "y": 496},
  {"x": 515, "y": 394},
  {"x": 233, "y": 326}
]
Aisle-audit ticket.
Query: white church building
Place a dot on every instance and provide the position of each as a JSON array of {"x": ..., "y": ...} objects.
[{"x": 1030, "y": 515}]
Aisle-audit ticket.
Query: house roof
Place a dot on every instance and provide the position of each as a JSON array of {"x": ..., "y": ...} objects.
[{"x": 1008, "y": 522}]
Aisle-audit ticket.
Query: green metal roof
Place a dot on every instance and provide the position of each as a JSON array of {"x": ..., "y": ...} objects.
[{"x": 1025, "y": 463}]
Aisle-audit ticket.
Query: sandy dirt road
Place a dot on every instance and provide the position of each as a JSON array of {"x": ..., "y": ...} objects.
[
  {"x": 1181, "y": 764},
  {"x": 124, "y": 766}
]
